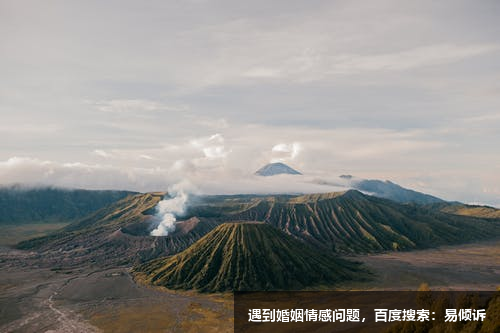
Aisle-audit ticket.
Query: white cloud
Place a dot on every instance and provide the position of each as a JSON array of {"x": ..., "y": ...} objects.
[
  {"x": 202, "y": 142},
  {"x": 101, "y": 153},
  {"x": 212, "y": 146},
  {"x": 375, "y": 100},
  {"x": 217, "y": 124},
  {"x": 215, "y": 152},
  {"x": 283, "y": 152},
  {"x": 313, "y": 66},
  {"x": 134, "y": 105},
  {"x": 33, "y": 171},
  {"x": 428, "y": 55},
  {"x": 400, "y": 156}
]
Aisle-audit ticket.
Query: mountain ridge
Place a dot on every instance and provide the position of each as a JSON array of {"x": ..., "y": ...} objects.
[
  {"x": 389, "y": 190},
  {"x": 348, "y": 222},
  {"x": 117, "y": 234},
  {"x": 48, "y": 204},
  {"x": 352, "y": 222},
  {"x": 246, "y": 256}
]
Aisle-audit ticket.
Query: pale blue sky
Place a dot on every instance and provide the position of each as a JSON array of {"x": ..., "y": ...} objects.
[{"x": 139, "y": 95}]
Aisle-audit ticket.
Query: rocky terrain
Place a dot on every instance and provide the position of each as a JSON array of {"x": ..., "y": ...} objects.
[
  {"x": 115, "y": 235},
  {"x": 340, "y": 222},
  {"x": 248, "y": 256},
  {"x": 352, "y": 222},
  {"x": 78, "y": 278}
]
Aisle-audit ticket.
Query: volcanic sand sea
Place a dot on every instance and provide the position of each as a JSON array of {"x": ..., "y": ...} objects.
[
  {"x": 474, "y": 266},
  {"x": 91, "y": 299}
]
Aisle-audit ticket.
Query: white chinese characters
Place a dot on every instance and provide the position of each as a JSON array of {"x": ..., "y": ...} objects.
[{"x": 303, "y": 315}]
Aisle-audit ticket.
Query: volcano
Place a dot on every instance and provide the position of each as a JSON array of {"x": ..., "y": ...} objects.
[
  {"x": 247, "y": 256},
  {"x": 273, "y": 169}
]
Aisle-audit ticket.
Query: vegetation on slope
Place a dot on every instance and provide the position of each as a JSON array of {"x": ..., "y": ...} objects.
[
  {"x": 11, "y": 234},
  {"x": 117, "y": 234},
  {"x": 132, "y": 209},
  {"x": 352, "y": 222},
  {"x": 346, "y": 222},
  {"x": 247, "y": 256},
  {"x": 51, "y": 205},
  {"x": 456, "y": 208}
]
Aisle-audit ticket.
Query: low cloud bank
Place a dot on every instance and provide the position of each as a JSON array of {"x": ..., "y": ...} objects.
[{"x": 211, "y": 178}]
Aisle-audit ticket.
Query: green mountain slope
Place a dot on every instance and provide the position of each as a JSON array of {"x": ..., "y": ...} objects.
[
  {"x": 51, "y": 205},
  {"x": 457, "y": 208},
  {"x": 117, "y": 234},
  {"x": 352, "y": 222},
  {"x": 344, "y": 222},
  {"x": 247, "y": 256}
]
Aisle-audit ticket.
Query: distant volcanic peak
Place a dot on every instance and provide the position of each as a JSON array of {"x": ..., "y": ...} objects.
[
  {"x": 246, "y": 256},
  {"x": 392, "y": 191},
  {"x": 278, "y": 168}
]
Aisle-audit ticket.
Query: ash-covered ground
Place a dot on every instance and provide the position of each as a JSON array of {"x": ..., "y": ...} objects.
[{"x": 87, "y": 299}]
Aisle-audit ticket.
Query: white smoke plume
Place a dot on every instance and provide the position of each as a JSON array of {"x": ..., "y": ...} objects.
[{"x": 168, "y": 209}]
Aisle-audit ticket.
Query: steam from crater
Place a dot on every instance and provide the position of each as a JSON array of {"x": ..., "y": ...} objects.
[{"x": 168, "y": 209}]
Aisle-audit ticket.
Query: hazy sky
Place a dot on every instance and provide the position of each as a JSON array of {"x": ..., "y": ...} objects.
[{"x": 142, "y": 94}]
